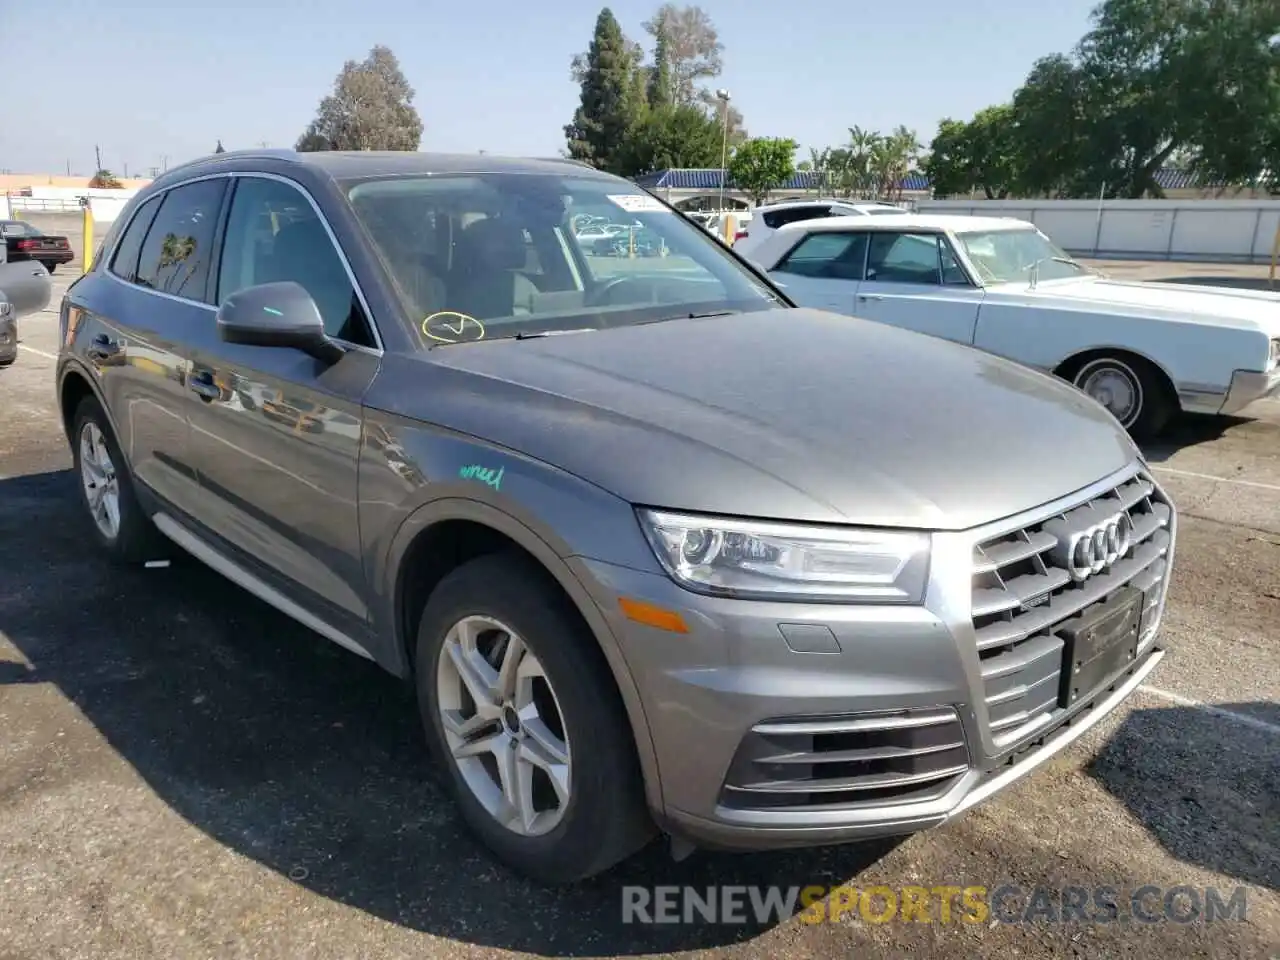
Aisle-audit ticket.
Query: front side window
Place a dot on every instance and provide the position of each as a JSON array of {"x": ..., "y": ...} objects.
[
  {"x": 1008, "y": 256},
  {"x": 491, "y": 256},
  {"x": 828, "y": 255},
  {"x": 274, "y": 234},
  {"x": 176, "y": 254},
  {"x": 924, "y": 258}
]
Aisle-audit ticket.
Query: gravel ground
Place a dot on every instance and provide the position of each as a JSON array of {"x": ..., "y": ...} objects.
[{"x": 186, "y": 773}]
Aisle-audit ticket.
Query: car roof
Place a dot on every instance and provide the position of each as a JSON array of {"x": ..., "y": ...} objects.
[
  {"x": 953, "y": 223},
  {"x": 361, "y": 164},
  {"x": 828, "y": 201}
]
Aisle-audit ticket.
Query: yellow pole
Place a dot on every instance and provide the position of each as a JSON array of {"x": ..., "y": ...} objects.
[
  {"x": 730, "y": 228},
  {"x": 88, "y": 237},
  {"x": 1275, "y": 254}
]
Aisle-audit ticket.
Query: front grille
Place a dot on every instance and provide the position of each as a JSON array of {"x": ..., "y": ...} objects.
[
  {"x": 851, "y": 760},
  {"x": 1023, "y": 592}
]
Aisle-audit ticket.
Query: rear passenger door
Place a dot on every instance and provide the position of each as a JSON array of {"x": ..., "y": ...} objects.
[
  {"x": 913, "y": 280},
  {"x": 823, "y": 270},
  {"x": 156, "y": 294},
  {"x": 275, "y": 433}
]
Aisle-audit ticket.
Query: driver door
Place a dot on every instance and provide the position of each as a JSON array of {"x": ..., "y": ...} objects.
[
  {"x": 914, "y": 281},
  {"x": 275, "y": 433}
]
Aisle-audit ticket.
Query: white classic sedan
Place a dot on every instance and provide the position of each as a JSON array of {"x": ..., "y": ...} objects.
[{"x": 1143, "y": 350}]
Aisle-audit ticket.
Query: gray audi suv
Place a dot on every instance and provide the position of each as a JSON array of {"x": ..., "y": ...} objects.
[{"x": 659, "y": 551}]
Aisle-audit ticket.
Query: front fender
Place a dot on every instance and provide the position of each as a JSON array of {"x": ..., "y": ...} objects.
[{"x": 550, "y": 514}]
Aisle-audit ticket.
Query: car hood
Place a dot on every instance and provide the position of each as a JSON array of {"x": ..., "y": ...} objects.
[
  {"x": 1218, "y": 306},
  {"x": 788, "y": 414}
]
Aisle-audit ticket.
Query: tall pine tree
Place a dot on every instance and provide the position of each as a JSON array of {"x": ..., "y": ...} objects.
[
  {"x": 609, "y": 107},
  {"x": 660, "y": 90}
]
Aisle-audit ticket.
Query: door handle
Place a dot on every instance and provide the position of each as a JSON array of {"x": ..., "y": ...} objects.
[
  {"x": 103, "y": 347},
  {"x": 870, "y": 297},
  {"x": 203, "y": 386}
]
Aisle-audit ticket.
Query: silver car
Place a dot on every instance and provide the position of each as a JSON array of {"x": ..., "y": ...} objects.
[{"x": 656, "y": 549}]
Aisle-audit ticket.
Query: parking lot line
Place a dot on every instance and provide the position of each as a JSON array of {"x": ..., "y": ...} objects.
[
  {"x": 1242, "y": 718},
  {"x": 39, "y": 353},
  {"x": 1209, "y": 476}
]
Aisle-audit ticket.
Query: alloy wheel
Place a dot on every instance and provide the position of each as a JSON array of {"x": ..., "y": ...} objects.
[
  {"x": 503, "y": 725},
  {"x": 98, "y": 476}
]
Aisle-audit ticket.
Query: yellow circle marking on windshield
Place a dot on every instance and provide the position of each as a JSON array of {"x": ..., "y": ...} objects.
[{"x": 453, "y": 328}]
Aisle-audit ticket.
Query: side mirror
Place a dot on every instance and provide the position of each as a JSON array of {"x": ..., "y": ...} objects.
[
  {"x": 25, "y": 287},
  {"x": 277, "y": 315}
]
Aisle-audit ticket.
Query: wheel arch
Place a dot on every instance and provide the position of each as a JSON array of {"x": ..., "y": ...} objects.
[
  {"x": 442, "y": 534},
  {"x": 74, "y": 384},
  {"x": 1071, "y": 365}
]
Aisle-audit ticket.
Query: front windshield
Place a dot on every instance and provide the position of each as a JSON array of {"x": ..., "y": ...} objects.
[
  {"x": 1008, "y": 256},
  {"x": 494, "y": 256}
]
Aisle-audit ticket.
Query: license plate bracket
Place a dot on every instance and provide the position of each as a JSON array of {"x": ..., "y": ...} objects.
[{"x": 1098, "y": 644}]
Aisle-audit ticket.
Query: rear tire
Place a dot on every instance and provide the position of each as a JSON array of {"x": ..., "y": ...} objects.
[
  {"x": 51, "y": 267},
  {"x": 1132, "y": 390},
  {"x": 597, "y": 815},
  {"x": 119, "y": 525}
]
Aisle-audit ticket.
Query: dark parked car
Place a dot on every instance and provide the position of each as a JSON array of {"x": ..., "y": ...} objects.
[
  {"x": 22, "y": 241},
  {"x": 656, "y": 548}
]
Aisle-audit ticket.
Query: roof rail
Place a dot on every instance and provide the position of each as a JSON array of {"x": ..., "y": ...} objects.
[{"x": 276, "y": 153}]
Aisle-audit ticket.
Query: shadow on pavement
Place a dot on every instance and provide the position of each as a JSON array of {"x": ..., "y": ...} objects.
[
  {"x": 303, "y": 757},
  {"x": 1189, "y": 430},
  {"x": 1216, "y": 812}
]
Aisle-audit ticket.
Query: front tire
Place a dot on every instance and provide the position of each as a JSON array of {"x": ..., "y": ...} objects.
[
  {"x": 523, "y": 716},
  {"x": 1131, "y": 389},
  {"x": 120, "y": 526}
]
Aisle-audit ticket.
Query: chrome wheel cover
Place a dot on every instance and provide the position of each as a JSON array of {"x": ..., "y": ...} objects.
[{"x": 1114, "y": 385}]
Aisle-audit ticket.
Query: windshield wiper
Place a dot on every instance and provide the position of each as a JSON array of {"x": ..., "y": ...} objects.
[{"x": 535, "y": 334}]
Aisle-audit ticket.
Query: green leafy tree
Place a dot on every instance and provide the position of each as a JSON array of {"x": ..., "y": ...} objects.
[
  {"x": 762, "y": 164},
  {"x": 105, "y": 180},
  {"x": 982, "y": 154},
  {"x": 370, "y": 108},
  {"x": 673, "y": 137},
  {"x": 610, "y": 108}
]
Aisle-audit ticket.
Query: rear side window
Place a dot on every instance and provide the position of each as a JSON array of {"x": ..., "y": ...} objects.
[
  {"x": 125, "y": 263},
  {"x": 827, "y": 256},
  {"x": 779, "y": 218},
  {"x": 175, "y": 256}
]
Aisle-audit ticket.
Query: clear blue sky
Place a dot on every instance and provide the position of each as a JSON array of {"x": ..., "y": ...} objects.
[{"x": 145, "y": 80}]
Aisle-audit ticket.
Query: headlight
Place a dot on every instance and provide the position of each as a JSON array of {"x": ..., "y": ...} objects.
[{"x": 776, "y": 561}]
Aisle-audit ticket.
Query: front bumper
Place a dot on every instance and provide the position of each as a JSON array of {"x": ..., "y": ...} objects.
[
  {"x": 783, "y": 724},
  {"x": 1248, "y": 386}
]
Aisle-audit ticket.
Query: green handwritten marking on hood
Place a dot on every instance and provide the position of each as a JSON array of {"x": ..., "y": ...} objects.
[{"x": 484, "y": 474}]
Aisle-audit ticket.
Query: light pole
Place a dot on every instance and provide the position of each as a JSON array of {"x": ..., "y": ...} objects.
[{"x": 723, "y": 97}]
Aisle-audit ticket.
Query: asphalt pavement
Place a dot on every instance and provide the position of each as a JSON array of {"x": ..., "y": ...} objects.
[{"x": 186, "y": 773}]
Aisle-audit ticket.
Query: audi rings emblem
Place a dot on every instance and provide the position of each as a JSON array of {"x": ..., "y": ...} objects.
[{"x": 1095, "y": 549}]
